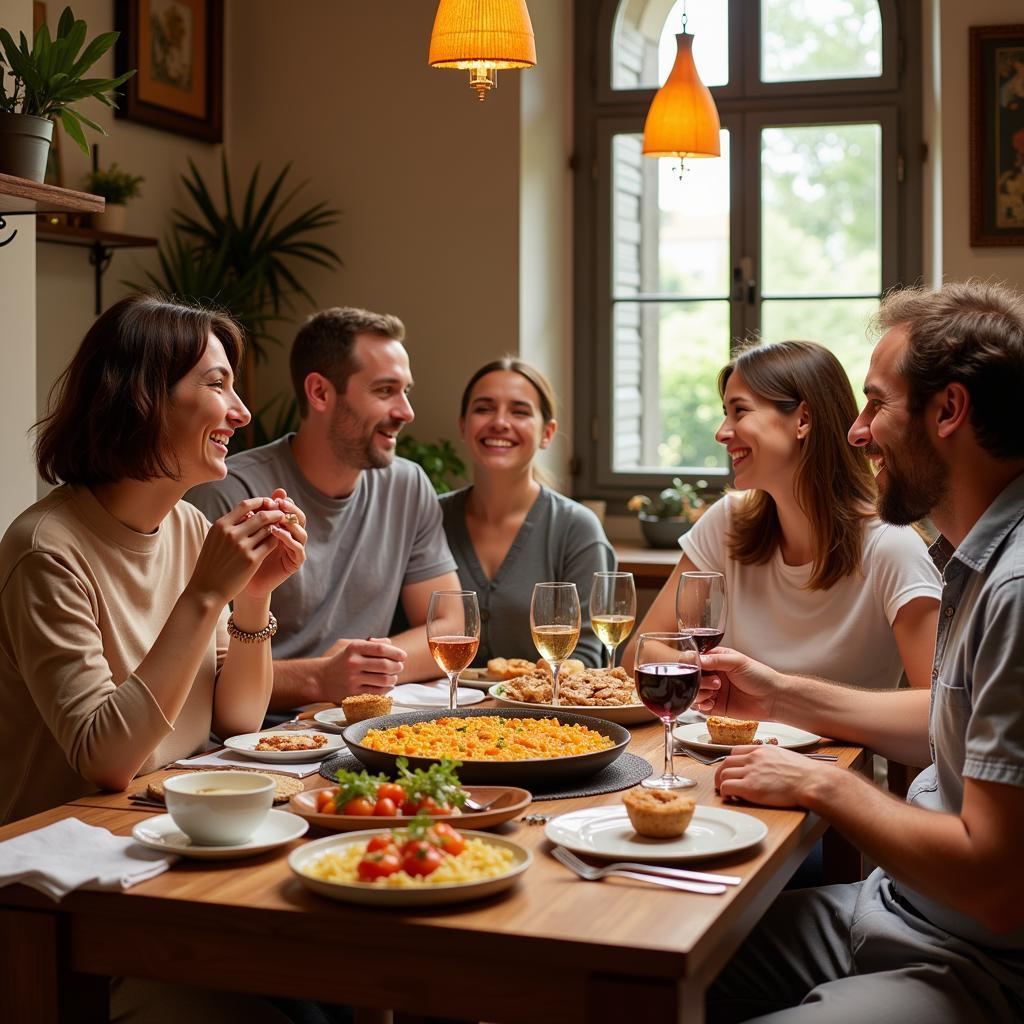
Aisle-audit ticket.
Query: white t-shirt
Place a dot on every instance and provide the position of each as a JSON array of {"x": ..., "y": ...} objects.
[{"x": 844, "y": 633}]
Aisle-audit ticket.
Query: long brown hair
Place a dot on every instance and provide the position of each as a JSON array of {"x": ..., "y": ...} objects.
[
  {"x": 109, "y": 407},
  {"x": 834, "y": 485}
]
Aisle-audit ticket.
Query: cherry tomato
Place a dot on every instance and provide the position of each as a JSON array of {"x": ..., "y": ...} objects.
[
  {"x": 378, "y": 865},
  {"x": 420, "y": 858},
  {"x": 391, "y": 791},
  {"x": 428, "y": 805},
  {"x": 329, "y": 807},
  {"x": 384, "y": 841},
  {"x": 385, "y": 807},
  {"x": 359, "y": 806},
  {"x": 322, "y": 797},
  {"x": 447, "y": 838}
]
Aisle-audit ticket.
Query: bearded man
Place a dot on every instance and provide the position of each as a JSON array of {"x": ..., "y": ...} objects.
[{"x": 373, "y": 520}]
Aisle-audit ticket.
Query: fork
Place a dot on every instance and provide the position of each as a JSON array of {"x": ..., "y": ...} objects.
[
  {"x": 590, "y": 874},
  {"x": 701, "y": 759}
]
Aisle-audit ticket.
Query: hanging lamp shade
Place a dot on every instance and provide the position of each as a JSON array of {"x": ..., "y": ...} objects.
[
  {"x": 682, "y": 120},
  {"x": 482, "y": 36}
]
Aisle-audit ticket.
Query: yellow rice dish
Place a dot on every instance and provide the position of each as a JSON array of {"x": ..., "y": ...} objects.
[
  {"x": 488, "y": 738},
  {"x": 477, "y": 862}
]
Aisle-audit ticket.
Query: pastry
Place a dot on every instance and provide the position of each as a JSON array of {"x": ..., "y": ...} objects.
[
  {"x": 731, "y": 731},
  {"x": 659, "y": 813},
  {"x": 365, "y": 705},
  {"x": 508, "y": 668}
]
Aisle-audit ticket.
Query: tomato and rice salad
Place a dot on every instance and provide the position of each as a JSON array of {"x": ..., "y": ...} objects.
[{"x": 488, "y": 738}]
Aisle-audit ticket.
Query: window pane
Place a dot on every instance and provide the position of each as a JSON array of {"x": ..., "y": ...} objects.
[
  {"x": 821, "y": 203},
  {"x": 665, "y": 363},
  {"x": 816, "y": 39},
  {"x": 670, "y": 236},
  {"x": 841, "y": 324},
  {"x": 644, "y": 43}
]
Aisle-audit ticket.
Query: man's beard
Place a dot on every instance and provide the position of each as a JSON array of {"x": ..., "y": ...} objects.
[
  {"x": 916, "y": 478},
  {"x": 353, "y": 450}
]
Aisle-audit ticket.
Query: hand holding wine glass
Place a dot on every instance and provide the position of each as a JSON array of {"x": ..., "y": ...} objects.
[
  {"x": 701, "y": 607},
  {"x": 667, "y": 676},
  {"x": 453, "y": 634},
  {"x": 555, "y": 625},
  {"x": 612, "y": 609}
]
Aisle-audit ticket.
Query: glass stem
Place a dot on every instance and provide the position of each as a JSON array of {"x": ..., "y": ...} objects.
[
  {"x": 555, "y": 665},
  {"x": 611, "y": 657},
  {"x": 453, "y": 690},
  {"x": 668, "y": 748}
]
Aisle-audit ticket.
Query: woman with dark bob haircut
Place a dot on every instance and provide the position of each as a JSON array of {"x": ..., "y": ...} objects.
[
  {"x": 817, "y": 583},
  {"x": 115, "y": 657}
]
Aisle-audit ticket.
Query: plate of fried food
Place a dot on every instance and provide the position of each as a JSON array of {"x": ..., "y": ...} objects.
[
  {"x": 497, "y": 746},
  {"x": 421, "y": 865},
  {"x": 605, "y": 693},
  {"x": 286, "y": 747},
  {"x": 718, "y": 735}
]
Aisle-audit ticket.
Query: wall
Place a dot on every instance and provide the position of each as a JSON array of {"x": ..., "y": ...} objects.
[
  {"x": 426, "y": 177},
  {"x": 17, "y": 334},
  {"x": 947, "y": 92},
  {"x": 65, "y": 280}
]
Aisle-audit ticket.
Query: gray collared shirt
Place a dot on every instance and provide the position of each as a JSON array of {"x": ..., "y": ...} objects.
[{"x": 976, "y": 724}]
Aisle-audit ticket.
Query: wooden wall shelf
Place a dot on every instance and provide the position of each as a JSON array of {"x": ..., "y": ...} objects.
[
  {"x": 21, "y": 196},
  {"x": 101, "y": 246}
]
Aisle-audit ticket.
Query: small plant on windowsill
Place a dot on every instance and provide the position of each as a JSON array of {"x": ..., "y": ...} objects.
[
  {"x": 667, "y": 517},
  {"x": 116, "y": 187}
]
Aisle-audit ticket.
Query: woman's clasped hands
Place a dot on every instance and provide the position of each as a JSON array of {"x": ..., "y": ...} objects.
[{"x": 254, "y": 548}]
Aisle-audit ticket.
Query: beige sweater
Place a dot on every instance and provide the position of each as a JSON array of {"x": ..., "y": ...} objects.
[{"x": 82, "y": 599}]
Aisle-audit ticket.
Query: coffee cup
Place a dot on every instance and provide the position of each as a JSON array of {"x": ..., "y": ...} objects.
[{"x": 219, "y": 808}]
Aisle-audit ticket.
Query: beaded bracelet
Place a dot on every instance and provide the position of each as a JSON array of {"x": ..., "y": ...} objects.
[{"x": 252, "y": 638}]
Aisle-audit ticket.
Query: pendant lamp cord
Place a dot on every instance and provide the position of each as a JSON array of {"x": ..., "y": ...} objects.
[{"x": 684, "y": 15}]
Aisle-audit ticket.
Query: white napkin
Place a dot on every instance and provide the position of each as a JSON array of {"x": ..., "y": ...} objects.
[
  {"x": 227, "y": 758},
  {"x": 431, "y": 695},
  {"x": 70, "y": 854}
]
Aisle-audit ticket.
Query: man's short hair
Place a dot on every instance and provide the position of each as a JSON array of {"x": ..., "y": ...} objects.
[
  {"x": 970, "y": 332},
  {"x": 325, "y": 344}
]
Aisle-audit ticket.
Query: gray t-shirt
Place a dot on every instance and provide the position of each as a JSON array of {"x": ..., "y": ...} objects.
[
  {"x": 977, "y": 700},
  {"x": 360, "y": 552},
  {"x": 559, "y": 541}
]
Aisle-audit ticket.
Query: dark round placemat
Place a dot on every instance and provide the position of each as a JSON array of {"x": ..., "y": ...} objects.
[{"x": 625, "y": 771}]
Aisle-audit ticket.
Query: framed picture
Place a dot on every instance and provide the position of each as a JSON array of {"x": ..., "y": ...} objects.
[
  {"x": 997, "y": 135},
  {"x": 177, "y": 47}
]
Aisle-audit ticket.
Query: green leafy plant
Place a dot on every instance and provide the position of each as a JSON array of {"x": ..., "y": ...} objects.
[
  {"x": 439, "y": 461},
  {"x": 115, "y": 185},
  {"x": 685, "y": 500},
  {"x": 47, "y": 79}
]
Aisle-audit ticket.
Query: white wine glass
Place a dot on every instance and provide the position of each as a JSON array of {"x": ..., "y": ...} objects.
[
  {"x": 667, "y": 676},
  {"x": 612, "y": 609},
  {"x": 701, "y": 607},
  {"x": 453, "y": 634},
  {"x": 555, "y": 625}
]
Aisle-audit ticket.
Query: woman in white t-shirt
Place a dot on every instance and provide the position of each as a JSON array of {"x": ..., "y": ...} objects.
[{"x": 816, "y": 583}]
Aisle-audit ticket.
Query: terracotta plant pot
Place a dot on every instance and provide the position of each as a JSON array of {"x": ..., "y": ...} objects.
[
  {"x": 663, "y": 533},
  {"x": 24, "y": 145},
  {"x": 111, "y": 220}
]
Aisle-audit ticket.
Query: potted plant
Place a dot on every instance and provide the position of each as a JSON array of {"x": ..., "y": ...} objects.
[
  {"x": 116, "y": 187},
  {"x": 44, "y": 83},
  {"x": 439, "y": 461},
  {"x": 667, "y": 517}
]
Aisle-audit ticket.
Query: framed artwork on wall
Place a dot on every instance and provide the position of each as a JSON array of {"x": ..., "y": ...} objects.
[
  {"x": 997, "y": 135},
  {"x": 177, "y": 46}
]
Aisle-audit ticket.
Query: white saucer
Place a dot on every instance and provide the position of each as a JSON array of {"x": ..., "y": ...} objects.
[
  {"x": 606, "y": 832},
  {"x": 407, "y": 697},
  {"x": 246, "y": 744},
  {"x": 696, "y": 735},
  {"x": 278, "y": 828}
]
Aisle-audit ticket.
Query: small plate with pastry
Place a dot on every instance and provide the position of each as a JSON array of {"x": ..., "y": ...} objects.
[
  {"x": 719, "y": 735},
  {"x": 287, "y": 747}
]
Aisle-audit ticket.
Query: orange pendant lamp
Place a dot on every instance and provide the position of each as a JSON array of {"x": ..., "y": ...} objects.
[
  {"x": 682, "y": 120},
  {"x": 482, "y": 36}
]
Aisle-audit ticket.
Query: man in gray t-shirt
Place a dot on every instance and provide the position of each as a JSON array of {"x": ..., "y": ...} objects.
[
  {"x": 936, "y": 932},
  {"x": 374, "y": 523}
]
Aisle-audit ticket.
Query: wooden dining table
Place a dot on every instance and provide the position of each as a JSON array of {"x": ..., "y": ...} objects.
[{"x": 554, "y": 948}]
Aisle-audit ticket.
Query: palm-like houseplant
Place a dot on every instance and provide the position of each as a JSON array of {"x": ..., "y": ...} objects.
[
  {"x": 46, "y": 81},
  {"x": 244, "y": 257}
]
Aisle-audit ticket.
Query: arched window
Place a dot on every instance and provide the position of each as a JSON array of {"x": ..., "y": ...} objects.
[{"x": 810, "y": 214}]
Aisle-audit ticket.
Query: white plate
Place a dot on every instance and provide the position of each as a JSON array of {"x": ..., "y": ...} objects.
[
  {"x": 624, "y": 714},
  {"x": 607, "y": 832},
  {"x": 278, "y": 828},
  {"x": 246, "y": 744},
  {"x": 379, "y": 895},
  {"x": 696, "y": 735},
  {"x": 407, "y": 697}
]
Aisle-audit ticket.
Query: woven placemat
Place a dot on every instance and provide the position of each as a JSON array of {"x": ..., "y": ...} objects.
[{"x": 624, "y": 772}]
